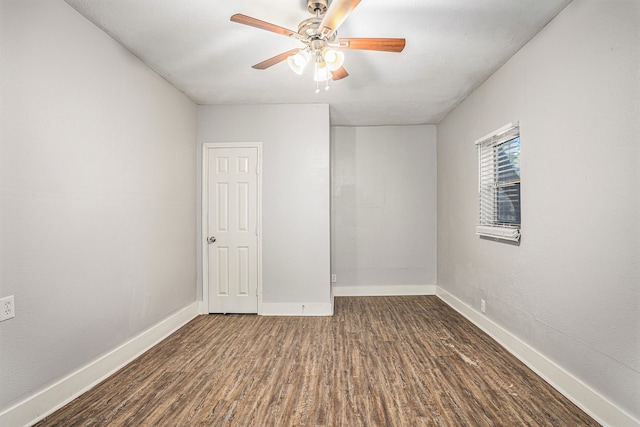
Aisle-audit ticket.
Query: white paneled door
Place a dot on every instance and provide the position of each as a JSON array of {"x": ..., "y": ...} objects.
[{"x": 232, "y": 229}]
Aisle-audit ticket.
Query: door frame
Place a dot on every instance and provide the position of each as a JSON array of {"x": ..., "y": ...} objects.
[{"x": 205, "y": 215}]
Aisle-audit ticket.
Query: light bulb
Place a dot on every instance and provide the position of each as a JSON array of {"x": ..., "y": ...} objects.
[{"x": 333, "y": 58}]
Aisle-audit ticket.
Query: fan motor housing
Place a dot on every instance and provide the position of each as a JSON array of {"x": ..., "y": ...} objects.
[
  {"x": 309, "y": 27},
  {"x": 317, "y": 6},
  {"x": 309, "y": 30}
]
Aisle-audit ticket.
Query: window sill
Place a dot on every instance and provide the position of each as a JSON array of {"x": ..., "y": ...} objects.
[{"x": 502, "y": 233}]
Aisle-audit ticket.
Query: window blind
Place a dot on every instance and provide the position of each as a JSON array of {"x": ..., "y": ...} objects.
[{"x": 499, "y": 183}]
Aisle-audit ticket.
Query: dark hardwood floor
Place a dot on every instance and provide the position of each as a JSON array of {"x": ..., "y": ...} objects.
[{"x": 379, "y": 361}]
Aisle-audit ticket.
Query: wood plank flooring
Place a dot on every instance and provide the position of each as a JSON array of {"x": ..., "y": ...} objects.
[{"x": 379, "y": 361}]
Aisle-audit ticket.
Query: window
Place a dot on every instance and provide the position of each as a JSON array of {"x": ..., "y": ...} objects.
[{"x": 499, "y": 183}]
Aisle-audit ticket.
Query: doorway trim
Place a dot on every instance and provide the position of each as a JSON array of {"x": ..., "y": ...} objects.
[{"x": 205, "y": 214}]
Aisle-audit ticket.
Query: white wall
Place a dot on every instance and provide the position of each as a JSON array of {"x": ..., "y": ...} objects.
[
  {"x": 571, "y": 289},
  {"x": 295, "y": 197},
  {"x": 383, "y": 209},
  {"x": 97, "y": 195}
]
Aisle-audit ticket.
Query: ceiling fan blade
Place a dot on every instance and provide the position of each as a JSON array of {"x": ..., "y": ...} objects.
[
  {"x": 337, "y": 13},
  {"x": 275, "y": 60},
  {"x": 263, "y": 25},
  {"x": 338, "y": 74},
  {"x": 386, "y": 45}
]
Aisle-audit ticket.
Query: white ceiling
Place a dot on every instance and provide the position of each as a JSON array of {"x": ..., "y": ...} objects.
[{"x": 452, "y": 47}]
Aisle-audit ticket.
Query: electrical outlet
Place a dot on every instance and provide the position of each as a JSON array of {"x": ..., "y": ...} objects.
[
  {"x": 7, "y": 308},
  {"x": 334, "y": 278},
  {"x": 483, "y": 305}
]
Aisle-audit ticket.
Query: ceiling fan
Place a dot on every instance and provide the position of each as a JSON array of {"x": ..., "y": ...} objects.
[{"x": 322, "y": 44}]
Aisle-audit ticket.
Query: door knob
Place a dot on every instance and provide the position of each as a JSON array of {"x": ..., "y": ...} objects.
[{"x": 211, "y": 239}]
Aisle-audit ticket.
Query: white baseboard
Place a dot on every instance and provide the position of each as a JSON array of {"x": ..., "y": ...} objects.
[
  {"x": 383, "y": 290},
  {"x": 594, "y": 404},
  {"x": 52, "y": 398},
  {"x": 296, "y": 309}
]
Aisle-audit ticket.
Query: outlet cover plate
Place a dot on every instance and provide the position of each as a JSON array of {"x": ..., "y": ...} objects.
[{"x": 7, "y": 308}]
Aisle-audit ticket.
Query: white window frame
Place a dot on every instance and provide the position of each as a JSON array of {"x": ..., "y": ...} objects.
[{"x": 488, "y": 168}]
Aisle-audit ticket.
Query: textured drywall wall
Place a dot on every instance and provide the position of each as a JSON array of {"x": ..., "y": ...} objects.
[
  {"x": 383, "y": 208},
  {"x": 570, "y": 289},
  {"x": 97, "y": 195},
  {"x": 295, "y": 192}
]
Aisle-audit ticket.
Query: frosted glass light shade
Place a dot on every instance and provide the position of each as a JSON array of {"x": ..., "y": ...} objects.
[
  {"x": 298, "y": 61},
  {"x": 322, "y": 72}
]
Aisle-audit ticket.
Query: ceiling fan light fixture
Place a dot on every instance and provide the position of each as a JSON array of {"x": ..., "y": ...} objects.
[
  {"x": 320, "y": 37},
  {"x": 333, "y": 58},
  {"x": 299, "y": 61}
]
